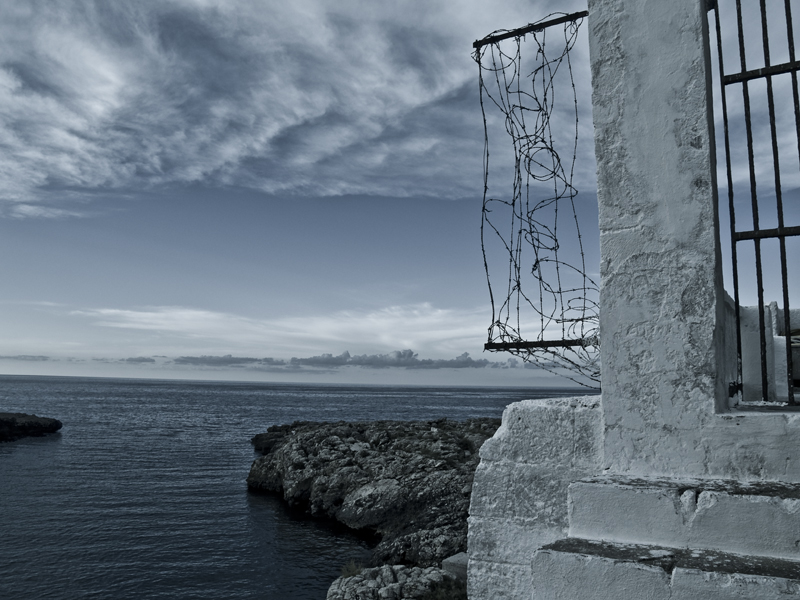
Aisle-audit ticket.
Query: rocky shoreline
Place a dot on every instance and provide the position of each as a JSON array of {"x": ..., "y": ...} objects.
[
  {"x": 14, "y": 426},
  {"x": 406, "y": 482},
  {"x": 392, "y": 582}
]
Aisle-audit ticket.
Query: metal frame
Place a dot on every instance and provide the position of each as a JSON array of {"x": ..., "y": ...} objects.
[
  {"x": 742, "y": 78},
  {"x": 520, "y": 31},
  {"x": 490, "y": 39}
]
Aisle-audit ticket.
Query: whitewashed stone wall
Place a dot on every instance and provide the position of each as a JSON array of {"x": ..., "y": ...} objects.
[
  {"x": 519, "y": 496},
  {"x": 667, "y": 351},
  {"x": 666, "y": 325},
  {"x": 776, "y": 340}
]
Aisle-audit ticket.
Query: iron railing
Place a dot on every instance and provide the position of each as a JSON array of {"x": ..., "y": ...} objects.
[{"x": 770, "y": 166}]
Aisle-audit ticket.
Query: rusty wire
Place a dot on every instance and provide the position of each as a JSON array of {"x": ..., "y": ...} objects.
[{"x": 547, "y": 295}]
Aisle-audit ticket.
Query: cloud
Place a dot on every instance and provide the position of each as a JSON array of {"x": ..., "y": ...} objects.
[
  {"x": 380, "y": 99},
  {"x": 23, "y": 211},
  {"x": 422, "y": 327},
  {"x": 27, "y": 357},
  {"x": 326, "y": 362},
  {"x": 225, "y": 361},
  {"x": 399, "y": 358},
  {"x": 463, "y": 361}
]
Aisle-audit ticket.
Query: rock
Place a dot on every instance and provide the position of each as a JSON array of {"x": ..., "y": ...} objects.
[
  {"x": 409, "y": 482},
  {"x": 390, "y": 582},
  {"x": 14, "y": 426}
]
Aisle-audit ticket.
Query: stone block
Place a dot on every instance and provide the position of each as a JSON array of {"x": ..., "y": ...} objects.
[
  {"x": 563, "y": 432},
  {"x": 753, "y": 519},
  {"x": 520, "y": 489},
  {"x": 498, "y": 581},
  {"x": 573, "y": 576},
  {"x": 694, "y": 584},
  {"x": 508, "y": 540},
  {"x": 506, "y": 489},
  {"x": 574, "y": 569}
]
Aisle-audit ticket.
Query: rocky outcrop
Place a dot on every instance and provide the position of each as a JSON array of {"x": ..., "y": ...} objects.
[
  {"x": 14, "y": 426},
  {"x": 408, "y": 482},
  {"x": 396, "y": 582}
]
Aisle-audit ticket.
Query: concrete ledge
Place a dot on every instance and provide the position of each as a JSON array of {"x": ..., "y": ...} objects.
[
  {"x": 690, "y": 513},
  {"x": 574, "y": 569},
  {"x": 730, "y": 586},
  {"x": 570, "y": 574}
]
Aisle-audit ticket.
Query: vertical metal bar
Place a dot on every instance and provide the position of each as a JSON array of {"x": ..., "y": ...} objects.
[
  {"x": 790, "y": 33},
  {"x": 787, "y": 323},
  {"x": 776, "y": 165},
  {"x": 731, "y": 212},
  {"x": 754, "y": 207}
]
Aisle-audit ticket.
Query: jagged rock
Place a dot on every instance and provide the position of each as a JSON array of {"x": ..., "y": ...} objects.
[
  {"x": 14, "y": 426},
  {"x": 409, "y": 482},
  {"x": 389, "y": 582}
]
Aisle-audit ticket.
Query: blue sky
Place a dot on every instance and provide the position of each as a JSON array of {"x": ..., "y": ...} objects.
[
  {"x": 248, "y": 190},
  {"x": 253, "y": 189}
]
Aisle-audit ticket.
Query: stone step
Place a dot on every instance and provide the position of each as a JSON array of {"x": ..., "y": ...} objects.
[
  {"x": 761, "y": 519},
  {"x": 576, "y": 569}
]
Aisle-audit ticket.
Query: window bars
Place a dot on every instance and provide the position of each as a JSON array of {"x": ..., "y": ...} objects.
[{"x": 767, "y": 141}]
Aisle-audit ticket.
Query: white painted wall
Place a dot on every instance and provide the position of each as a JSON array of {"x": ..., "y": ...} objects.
[
  {"x": 667, "y": 351},
  {"x": 776, "y": 339},
  {"x": 519, "y": 496}
]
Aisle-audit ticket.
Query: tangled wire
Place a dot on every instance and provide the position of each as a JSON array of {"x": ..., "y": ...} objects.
[{"x": 537, "y": 225}]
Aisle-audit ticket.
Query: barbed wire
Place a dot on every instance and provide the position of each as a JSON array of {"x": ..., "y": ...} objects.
[{"x": 546, "y": 291}]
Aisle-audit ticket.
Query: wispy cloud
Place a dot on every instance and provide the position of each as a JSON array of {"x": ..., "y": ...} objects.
[
  {"x": 24, "y": 211},
  {"x": 379, "y": 99},
  {"x": 433, "y": 339},
  {"x": 421, "y": 327}
]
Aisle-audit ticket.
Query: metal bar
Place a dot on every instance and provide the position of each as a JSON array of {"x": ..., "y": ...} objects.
[
  {"x": 789, "y": 67},
  {"x": 754, "y": 207},
  {"x": 790, "y": 33},
  {"x": 760, "y": 234},
  {"x": 790, "y": 367},
  {"x": 539, "y": 344},
  {"x": 731, "y": 211},
  {"x": 781, "y": 232},
  {"x": 491, "y": 39},
  {"x": 776, "y": 166}
]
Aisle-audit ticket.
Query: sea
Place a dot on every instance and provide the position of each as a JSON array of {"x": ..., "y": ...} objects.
[{"x": 142, "y": 493}]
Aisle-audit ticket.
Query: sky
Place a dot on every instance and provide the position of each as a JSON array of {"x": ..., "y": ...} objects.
[
  {"x": 249, "y": 190},
  {"x": 254, "y": 190}
]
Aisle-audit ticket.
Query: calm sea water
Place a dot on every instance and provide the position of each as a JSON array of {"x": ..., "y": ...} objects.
[{"x": 142, "y": 494}]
